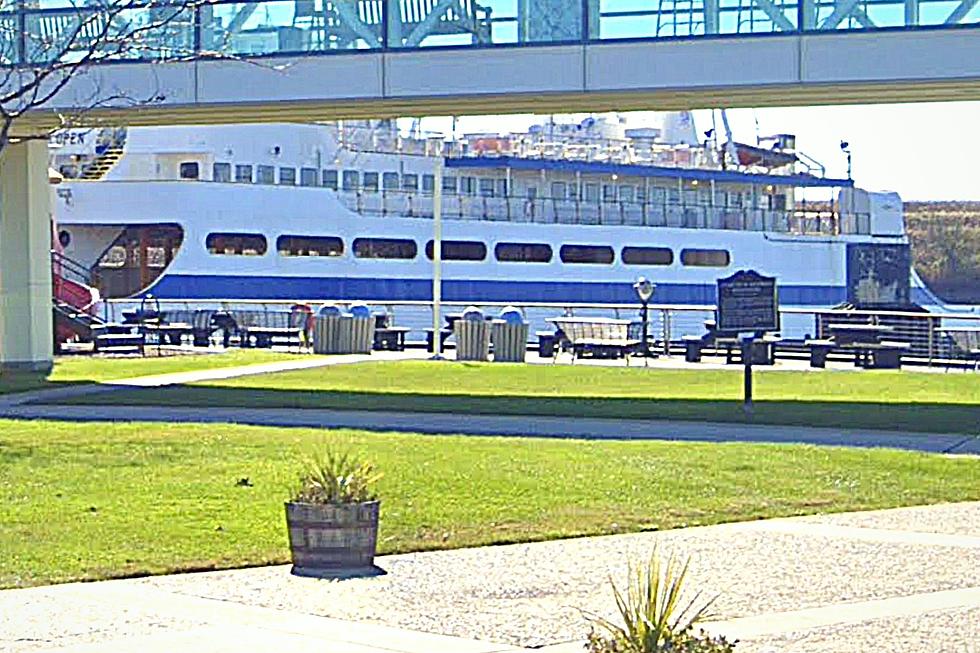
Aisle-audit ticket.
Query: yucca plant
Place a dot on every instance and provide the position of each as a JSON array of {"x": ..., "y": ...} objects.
[
  {"x": 337, "y": 477},
  {"x": 655, "y": 616}
]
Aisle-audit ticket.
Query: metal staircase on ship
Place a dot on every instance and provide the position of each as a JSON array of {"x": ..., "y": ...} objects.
[{"x": 102, "y": 164}]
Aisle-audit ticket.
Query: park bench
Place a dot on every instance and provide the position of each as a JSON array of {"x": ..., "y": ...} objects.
[
  {"x": 170, "y": 327},
  {"x": 597, "y": 337},
  {"x": 118, "y": 339},
  {"x": 260, "y": 329}
]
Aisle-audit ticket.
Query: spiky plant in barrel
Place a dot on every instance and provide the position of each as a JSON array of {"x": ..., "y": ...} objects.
[{"x": 333, "y": 517}]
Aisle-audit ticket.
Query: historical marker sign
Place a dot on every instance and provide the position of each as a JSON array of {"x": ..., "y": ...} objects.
[{"x": 747, "y": 302}]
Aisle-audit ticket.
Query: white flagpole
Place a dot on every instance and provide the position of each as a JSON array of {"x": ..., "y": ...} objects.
[{"x": 437, "y": 258}]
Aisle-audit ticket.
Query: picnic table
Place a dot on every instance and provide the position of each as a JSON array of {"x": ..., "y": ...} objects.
[
  {"x": 864, "y": 340},
  {"x": 763, "y": 349},
  {"x": 595, "y": 337}
]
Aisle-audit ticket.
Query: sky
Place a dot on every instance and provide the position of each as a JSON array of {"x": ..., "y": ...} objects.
[{"x": 925, "y": 151}]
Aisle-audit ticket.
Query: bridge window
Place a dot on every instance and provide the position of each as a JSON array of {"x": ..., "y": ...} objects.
[
  {"x": 658, "y": 195},
  {"x": 647, "y": 256},
  {"x": 389, "y": 181},
  {"x": 307, "y": 176},
  {"x": 410, "y": 182},
  {"x": 351, "y": 180},
  {"x": 231, "y": 244},
  {"x": 371, "y": 182},
  {"x": 706, "y": 258},
  {"x": 523, "y": 252},
  {"x": 608, "y": 193},
  {"x": 468, "y": 186},
  {"x": 330, "y": 179},
  {"x": 396, "y": 248},
  {"x": 243, "y": 174},
  {"x": 459, "y": 250},
  {"x": 190, "y": 170},
  {"x": 502, "y": 188},
  {"x": 586, "y": 254},
  {"x": 287, "y": 176},
  {"x": 449, "y": 185},
  {"x": 592, "y": 192},
  {"x": 625, "y": 193},
  {"x": 559, "y": 190},
  {"x": 221, "y": 172},
  {"x": 309, "y": 246},
  {"x": 486, "y": 188},
  {"x": 428, "y": 184},
  {"x": 265, "y": 175}
]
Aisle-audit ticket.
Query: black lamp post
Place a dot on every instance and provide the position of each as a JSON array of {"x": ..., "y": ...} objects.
[{"x": 644, "y": 289}]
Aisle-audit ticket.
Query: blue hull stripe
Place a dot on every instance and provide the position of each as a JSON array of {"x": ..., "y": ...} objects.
[{"x": 186, "y": 286}]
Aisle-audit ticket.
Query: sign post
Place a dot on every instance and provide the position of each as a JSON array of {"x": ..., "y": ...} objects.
[{"x": 747, "y": 305}]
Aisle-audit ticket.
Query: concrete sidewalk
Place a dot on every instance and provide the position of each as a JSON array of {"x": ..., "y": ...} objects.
[
  {"x": 508, "y": 425},
  {"x": 895, "y": 580}
]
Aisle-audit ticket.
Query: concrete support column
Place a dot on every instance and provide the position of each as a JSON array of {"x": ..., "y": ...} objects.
[{"x": 26, "y": 329}]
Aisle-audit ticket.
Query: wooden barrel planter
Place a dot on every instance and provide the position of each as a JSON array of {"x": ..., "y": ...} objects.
[{"x": 331, "y": 539}]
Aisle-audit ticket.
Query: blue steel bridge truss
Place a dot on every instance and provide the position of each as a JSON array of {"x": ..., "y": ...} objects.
[{"x": 33, "y": 31}]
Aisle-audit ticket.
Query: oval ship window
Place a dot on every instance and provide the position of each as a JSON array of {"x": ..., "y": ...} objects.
[
  {"x": 309, "y": 246},
  {"x": 236, "y": 244},
  {"x": 459, "y": 250},
  {"x": 523, "y": 252},
  {"x": 647, "y": 256},
  {"x": 706, "y": 258},
  {"x": 395, "y": 248},
  {"x": 586, "y": 254}
]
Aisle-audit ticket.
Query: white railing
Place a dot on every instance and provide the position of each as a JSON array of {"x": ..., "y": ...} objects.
[
  {"x": 925, "y": 332},
  {"x": 397, "y": 203}
]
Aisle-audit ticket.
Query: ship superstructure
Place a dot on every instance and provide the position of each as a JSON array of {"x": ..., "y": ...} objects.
[{"x": 565, "y": 212}]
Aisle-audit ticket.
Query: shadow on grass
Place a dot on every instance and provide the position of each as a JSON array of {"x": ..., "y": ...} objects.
[
  {"x": 17, "y": 382},
  {"x": 911, "y": 417}
]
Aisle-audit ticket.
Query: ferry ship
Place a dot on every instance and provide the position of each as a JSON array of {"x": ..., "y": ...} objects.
[{"x": 567, "y": 212}]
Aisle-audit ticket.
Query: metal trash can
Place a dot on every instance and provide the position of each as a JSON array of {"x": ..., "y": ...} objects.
[
  {"x": 331, "y": 334},
  {"x": 472, "y": 333},
  {"x": 361, "y": 329},
  {"x": 509, "y": 336}
]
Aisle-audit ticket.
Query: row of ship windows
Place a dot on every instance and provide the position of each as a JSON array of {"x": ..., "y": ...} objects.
[
  {"x": 355, "y": 180},
  {"x": 233, "y": 244}
]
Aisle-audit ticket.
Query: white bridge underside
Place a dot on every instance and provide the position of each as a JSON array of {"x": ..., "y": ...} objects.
[{"x": 768, "y": 70}]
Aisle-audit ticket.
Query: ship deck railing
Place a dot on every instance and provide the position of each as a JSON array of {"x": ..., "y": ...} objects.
[{"x": 544, "y": 210}]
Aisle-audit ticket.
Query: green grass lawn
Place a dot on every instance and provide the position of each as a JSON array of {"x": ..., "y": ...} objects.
[
  {"x": 901, "y": 400},
  {"x": 88, "y": 369},
  {"x": 86, "y": 501}
]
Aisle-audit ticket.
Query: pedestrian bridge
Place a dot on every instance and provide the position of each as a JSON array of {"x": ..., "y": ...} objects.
[{"x": 314, "y": 59}]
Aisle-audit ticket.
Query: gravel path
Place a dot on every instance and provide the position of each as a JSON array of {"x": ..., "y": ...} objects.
[{"x": 534, "y": 594}]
